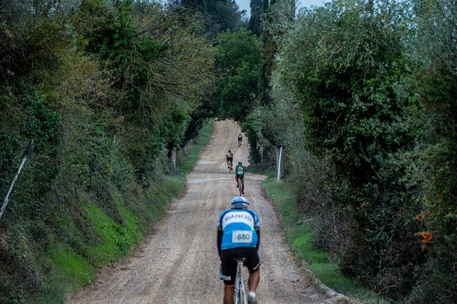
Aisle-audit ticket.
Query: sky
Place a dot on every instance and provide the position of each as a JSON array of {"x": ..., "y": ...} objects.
[{"x": 244, "y": 4}]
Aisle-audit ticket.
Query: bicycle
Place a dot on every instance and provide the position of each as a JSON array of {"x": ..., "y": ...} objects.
[
  {"x": 240, "y": 186},
  {"x": 230, "y": 166},
  {"x": 241, "y": 296}
]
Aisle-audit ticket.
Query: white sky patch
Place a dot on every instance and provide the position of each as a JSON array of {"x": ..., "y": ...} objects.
[{"x": 245, "y": 4}]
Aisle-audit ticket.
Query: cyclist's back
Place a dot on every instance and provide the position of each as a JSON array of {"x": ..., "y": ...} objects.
[
  {"x": 229, "y": 159},
  {"x": 238, "y": 236},
  {"x": 239, "y": 175},
  {"x": 240, "y": 169}
]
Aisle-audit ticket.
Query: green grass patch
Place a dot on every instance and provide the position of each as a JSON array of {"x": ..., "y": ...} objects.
[
  {"x": 300, "y": 240},
  {"x": 163, "y": 194},
  {"x": 115, "y": 240},
  {"x": 193, "y": 152},
  {"x": 72, "y": 267},
  {"x": 67, "y": 272},
  {"x": 131, "y": 232}
]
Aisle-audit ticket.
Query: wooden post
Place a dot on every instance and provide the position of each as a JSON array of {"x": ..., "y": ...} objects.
[{"x": 27, "y": 151}]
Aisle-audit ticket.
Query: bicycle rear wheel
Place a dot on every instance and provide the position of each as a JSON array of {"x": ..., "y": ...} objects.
[
  {"x": 244, "y": 296},
  {"x": 241, "y": 296}
]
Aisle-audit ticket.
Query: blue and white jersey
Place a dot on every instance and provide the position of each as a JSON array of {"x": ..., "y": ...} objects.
[{"x": 239, "y": 228}]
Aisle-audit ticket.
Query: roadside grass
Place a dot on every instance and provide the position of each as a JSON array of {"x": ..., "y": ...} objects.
[
  {"x": 193, "y": 152},
  {"x": 73, "y": 261},
  {"x": 69, "y": 272},
  {"x": 170, "y": 187},
  {"x": 115, "y": 240},
  {"x": 299, "y": 237},
  {"x": 74, "y": 264}
]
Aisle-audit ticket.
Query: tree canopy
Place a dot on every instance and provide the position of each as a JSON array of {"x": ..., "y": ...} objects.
[{"x": 360, "y": 93}]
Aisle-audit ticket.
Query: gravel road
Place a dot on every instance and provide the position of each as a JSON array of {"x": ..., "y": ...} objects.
[{"x": 178, "y": 262}]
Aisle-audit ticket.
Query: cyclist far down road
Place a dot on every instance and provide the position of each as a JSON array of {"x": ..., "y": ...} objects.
[
  {"x": 177, "y": 262},
  {"x": 229, "y": 160}
]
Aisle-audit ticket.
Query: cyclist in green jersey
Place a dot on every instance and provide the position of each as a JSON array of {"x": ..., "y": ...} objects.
[{"x": 239, "y": 175}]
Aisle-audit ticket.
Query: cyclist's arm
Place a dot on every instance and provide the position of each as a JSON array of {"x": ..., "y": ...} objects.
[
  {"x": 219, "y": 241},
  {"x": 258, "y": 238}
]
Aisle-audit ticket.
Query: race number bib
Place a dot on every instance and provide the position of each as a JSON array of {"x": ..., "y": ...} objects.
[
  {"x": 241, "y": 236},
  {"x": 240, "y": 171}
]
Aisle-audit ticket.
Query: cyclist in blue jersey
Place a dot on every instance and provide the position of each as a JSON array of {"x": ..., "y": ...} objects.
[{"x": 238, "y": 236}]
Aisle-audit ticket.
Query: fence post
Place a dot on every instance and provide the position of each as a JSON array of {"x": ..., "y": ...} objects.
[
  {"x": 279, "y": 162},
  {"x": 26, "y": 153}
]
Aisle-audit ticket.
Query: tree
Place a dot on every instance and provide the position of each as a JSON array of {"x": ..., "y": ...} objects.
[
  {"x": 437, "y": 86},
  {"x": 104, "y": 88},
  {"x": 156, "y": 71},
  {"x": 346, "y": 64},
  {"x": 255, "y": 22},
  {"x": 220, "y": 15},
  {"x": 278, "y": 20},
  {"x": 237, "y": 61}
]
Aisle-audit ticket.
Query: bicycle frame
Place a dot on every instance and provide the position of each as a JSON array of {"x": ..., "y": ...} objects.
[
  {"x": 240, "y": 185},
  {"x": 241, "y": 296}
]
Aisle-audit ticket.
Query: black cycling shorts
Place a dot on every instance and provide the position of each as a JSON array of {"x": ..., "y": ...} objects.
[
  {"x": 230, "y": 159},
  {"x": 228, "y": 260}
]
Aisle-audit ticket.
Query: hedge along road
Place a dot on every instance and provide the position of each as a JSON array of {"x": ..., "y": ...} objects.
[{"x": 179, "y": 263}]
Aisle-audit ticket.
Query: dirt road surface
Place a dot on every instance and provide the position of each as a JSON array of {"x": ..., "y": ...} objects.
[{"x": 179, "y": 263}]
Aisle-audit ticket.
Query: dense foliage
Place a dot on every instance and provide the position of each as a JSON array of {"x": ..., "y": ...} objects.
[
  {"x": 360, "y": 93},
  {"x": 437, "y": 86},
  {"x": 366, "y": 90},
  {"x": 219, "y": 15},
  {"x": 106, "y": 89},
  {"x": 356, "y": 114},
  {"x": 237, "y": 63}
]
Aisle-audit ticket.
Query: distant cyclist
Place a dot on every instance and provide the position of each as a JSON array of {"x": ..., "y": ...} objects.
[
  {"x": 240, "y": 139},
  {"x": 238, "y": 236},
  {"x": 229, "y": 159},
  {"x": 239, "y": 175}
]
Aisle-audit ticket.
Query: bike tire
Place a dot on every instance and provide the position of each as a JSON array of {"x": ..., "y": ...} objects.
[
  {"x": 240, "y": 289},
  {"x": 237, "y": 290},
  {"x": 244, "y": 296},
  {"x": 237, "y": 296}
]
